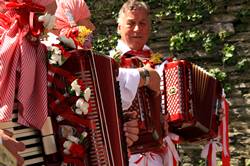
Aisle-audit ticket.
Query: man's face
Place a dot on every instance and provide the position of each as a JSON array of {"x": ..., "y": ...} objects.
[{"x": 134, "y": 28}]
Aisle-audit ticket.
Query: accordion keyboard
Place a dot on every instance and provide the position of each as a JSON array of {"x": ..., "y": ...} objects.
[{"x": 33, "y": 154}]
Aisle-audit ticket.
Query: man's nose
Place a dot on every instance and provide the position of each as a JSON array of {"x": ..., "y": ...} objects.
[{"x": 137, "y": 27}]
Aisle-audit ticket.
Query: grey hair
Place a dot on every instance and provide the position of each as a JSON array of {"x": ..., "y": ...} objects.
[{"x": 131, "y": 5}]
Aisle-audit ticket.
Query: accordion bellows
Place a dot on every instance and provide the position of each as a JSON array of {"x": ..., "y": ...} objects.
[{"x": 192, "y": 98}]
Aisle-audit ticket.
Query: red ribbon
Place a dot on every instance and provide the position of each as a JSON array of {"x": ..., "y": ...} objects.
[
  {"x": 5, "y": 21},
  {"x": 224, "y": 135},
  {"x": 28, "y": 5},
  {"x": 70, "y": 78},
  {"x": 25, "y": 14}
]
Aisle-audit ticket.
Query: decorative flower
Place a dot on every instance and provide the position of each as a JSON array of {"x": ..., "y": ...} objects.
[
  {"x": 83, "y": 33},
  {"x": 73, "y": 139},
  {"x": 84, "y": 134},
  {"x": 76, "y": 87},
  {"x": 59, "y": 118},
  {"x": 67, "y": 145},
  {"x": 56, "y": 55},
  {"x": 156, "y": 58},
  {"x": 50, "y": 40},
  {"x": 81, "y": 107},
  {"x": 116, "y": 55},
  {"x": 87, "y": 94}
]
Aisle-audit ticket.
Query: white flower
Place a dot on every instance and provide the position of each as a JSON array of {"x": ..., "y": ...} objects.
[
  {"x": 84, "y": 134},
  {"x": 56, "y": 55},
  {"x": 73, "y": 139},
  {"x": 59, "y": 118},
  {"x": 87, "y": 94},
  {"x": 82, "y": 107},
  {"x": 67, "y": 144},
  {"x": 50, "y": 40},
  {"x": 76, "y": 87}
]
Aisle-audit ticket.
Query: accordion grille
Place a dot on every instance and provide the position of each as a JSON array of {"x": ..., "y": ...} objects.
[{"x": 97, "y": 151}]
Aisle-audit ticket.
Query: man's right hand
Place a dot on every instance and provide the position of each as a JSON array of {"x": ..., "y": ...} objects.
[
  {"x": 154, "y": 81},
  {"x": 12, "y": 145}
]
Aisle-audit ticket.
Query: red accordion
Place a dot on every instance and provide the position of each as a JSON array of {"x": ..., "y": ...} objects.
[
  {"x": 191, "y": 98},
  {"x": 148, "y": 107},
  {"x": 105, "y": 143}
]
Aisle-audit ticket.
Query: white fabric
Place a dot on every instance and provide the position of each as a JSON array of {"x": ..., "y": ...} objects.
[
  {"x": 171, "y": 155},
  {"x": 147, "y": 159},
  {"x": 129, "y": 81},
  {"x": 124, "y": 48}
]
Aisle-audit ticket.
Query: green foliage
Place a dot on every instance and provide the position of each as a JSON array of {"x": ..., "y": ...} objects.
[
  {"x": 104, "y": 44},
  {"x": 222, "y": 77},
  {"x": 243, "y": 64},
  {"x": 228, "y": 52},
  {"x": 185, "y": 30}
]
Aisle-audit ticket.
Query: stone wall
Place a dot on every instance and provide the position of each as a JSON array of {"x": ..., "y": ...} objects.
[{"x": 232, "y": 16}]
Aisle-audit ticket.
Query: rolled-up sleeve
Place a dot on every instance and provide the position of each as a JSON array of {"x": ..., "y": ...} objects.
[{"x": 129, "y": 81}]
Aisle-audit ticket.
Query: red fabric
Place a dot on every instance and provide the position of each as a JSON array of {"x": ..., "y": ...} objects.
[
  {"x": 71, "y": 160},
  {"x": 77, "y": 150},
  {"x": 225, "y": 158},
  {"x": 140, "y": 53},
  {"x": 135, "y": 58},
  {"x": 20, "y": 56},
  {"x": 209, "y": 157}
]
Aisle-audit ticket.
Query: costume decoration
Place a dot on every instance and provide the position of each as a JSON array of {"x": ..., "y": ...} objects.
[
  {"x": 171, "y": 156},
  {"x": 23, "y": 63}
]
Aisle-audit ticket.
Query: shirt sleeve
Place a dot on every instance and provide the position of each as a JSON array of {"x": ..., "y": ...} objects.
[{"x": 129, "y": 80}]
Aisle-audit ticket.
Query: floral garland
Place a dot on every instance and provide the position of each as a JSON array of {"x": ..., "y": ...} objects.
[
  {"x": 155, "y": 58},
  {"x": 73, "y": 136}
]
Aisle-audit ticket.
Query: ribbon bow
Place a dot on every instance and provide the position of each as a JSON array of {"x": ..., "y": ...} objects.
[
  {"x": 171, "y": 156},
  {"x": 144, "y": 158},
  {"x": 26, "y": 14},
  {"x": 210, "y": 150},
  {"x": 28, "y": 5}
]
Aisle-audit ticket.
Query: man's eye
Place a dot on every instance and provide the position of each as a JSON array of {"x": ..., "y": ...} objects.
[{"x": 130, "y": 24}]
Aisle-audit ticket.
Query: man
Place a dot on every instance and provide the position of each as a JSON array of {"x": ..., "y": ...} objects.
[{"x": 134, "y": 27}]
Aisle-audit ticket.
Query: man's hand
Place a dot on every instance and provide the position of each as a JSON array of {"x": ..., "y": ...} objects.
[
  {"x": 12, "y": 145},
  {"x": 154, "y": 80},
  {"x": 131, "y": 128}
]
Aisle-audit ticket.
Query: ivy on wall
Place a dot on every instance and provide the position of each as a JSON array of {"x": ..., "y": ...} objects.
[{"x": 186, "y": 31}]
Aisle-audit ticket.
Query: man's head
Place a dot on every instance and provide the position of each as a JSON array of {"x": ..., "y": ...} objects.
[{"x": 134, "y": 24}]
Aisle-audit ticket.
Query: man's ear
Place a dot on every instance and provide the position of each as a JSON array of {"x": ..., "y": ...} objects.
[{"x": 118, "y": 29}]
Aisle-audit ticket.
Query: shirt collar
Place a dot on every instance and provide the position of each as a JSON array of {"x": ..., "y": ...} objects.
[{"x": 121, "y": 46}]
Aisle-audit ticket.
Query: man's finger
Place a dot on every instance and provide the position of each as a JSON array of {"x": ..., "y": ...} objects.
[
  {"x": 10, "y": 134},
  {"x": 132, "y": 130},
  {"x": 132, "y": 137},
  {"x": 131, "y": 123},
  {"x": 20, "y": 160}
]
